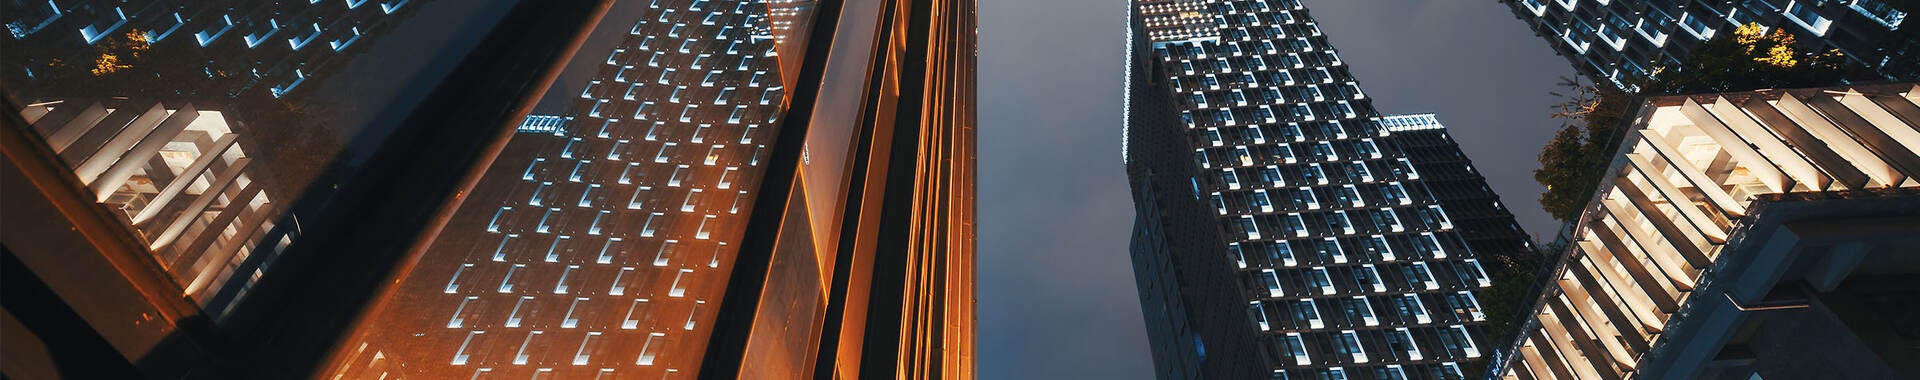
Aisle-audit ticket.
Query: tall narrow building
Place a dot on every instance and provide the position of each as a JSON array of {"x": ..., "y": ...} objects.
[
  {"x": 691, "y": 215},
  {"x": 1286, "y": 229}
]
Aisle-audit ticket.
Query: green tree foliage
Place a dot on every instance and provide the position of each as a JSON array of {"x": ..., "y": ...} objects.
[
  {"x": 1751, "y": 57},
  {"x": 1571, "y": 164},
  {"x": 1754, "y": 57}
]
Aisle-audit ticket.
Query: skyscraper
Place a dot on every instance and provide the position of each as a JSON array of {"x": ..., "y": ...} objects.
[
  {"x": 170, "y": 201},
  {"x": 1284, "y": 227},
  {"x": 1764, "y": 234},
  {"x": 690, "y": 215},
  {"x": 1620, "y": 41},
  {"x": 241, "y": 45}
]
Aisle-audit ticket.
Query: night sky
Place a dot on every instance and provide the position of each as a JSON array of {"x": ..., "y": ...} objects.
[{"x": 1057, "y": 295}]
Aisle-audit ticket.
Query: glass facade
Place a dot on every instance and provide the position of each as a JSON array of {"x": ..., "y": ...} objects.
[
  {"x": 452, "y": 189},
  {"x": 1634, "y": 37},
  {"x": 603, "y": 236},
  {"x": 1285, "y": 228}
]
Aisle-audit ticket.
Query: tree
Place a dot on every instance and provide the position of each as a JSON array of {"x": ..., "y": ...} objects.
[
  {"x": 1573, "y": 161},
  {"x": 1755, "y": 57}
]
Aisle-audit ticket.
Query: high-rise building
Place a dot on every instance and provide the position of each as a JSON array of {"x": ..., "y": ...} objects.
[
  {"x": 179, "y": 177},
  {"x": 714, "y": 200},
  {"x": 1623, "y": 40},
  {"x": 162, "y": 207},
  {"x": 689, "y": 215},
  {"x": 1766, "y": 234},
  {"x": 239, "y": 44},
  {"x": 1285, "y": 228}
]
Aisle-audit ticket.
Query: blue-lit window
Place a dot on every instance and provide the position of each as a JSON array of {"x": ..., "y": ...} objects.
[
  {"x": 1879, "y": 11},
  {"x": 1694, "y": 25},
  {"x": 1807, "y": 17}
]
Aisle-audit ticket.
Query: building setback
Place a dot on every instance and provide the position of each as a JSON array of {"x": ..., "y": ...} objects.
[
  {"x": 1285, "y": 228},
  {"x": 1621, "y": 40},
  {"x": 668, "y": 224},
  {"x": 1764, "y": 234}
]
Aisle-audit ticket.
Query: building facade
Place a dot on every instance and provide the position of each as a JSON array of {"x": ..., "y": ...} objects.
[
  {"x": 166, "y": 236},
  {"x": 1284, "y": 228},
  {"x": 272, "y": 45},
  {"x": 1764, "y": 234},
  {"x": 1621, "y": 41},
  {"x": 178, "y": 177},
  {"x": 691, "y": 216}
]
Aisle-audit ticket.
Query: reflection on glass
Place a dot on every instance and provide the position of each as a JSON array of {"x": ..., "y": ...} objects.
[{"x": 202, "y": 123}]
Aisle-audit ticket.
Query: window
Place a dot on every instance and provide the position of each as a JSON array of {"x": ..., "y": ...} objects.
[
  {"x": 635, "y": 313},
  {"x": 514, "y": 317},
  {"x": 612, "y": 246},
  {"x": 459, "y": 313},
  {"x": 1239, "y": 258},
  {"x": 680, "y": 280},
  {"x": 1259, "y": 315},
  {"x": 1806, "y": 16},
  {"x": 1297, "y": 348},
  {"x": 1305, "y": 311},
  {"x": 1247, "y": 225},
  {"x": 1418, "y": 273},
  {"x": 453, "y": 285},
  {"x": 1282, "y": 253},
  {"x": 1369, "y": 277},
  {"x": 1410, "y": 305},
  {"x": 559, "y": 245},
  {"x": 500, "y": 252},
  {"x": 560, "y": 287},
  {"x": 651, "y": 348},
  {"x": 506, "y": 282},
  {"x": 1318, "y": 278},
  {"x": 1260, "y": 200},
  {"x": 460, "y": 357},
  {"x": 1879, "y": 11},
  {"x": 666, "y": 253},
  {"x": 1330, "y": 250},
  {"x": 572, "y": 319},
  {"x": 1363, "y": 309},
  {"x": 1464, "y": 304},
  {"x": 1272, "y": 281},
  {"x": 1349, "y": 343},
  {"x": 1402, "y": 340}
]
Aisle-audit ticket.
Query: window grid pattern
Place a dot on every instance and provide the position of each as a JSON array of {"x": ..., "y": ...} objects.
[
  {"x": 1619, "y": 41},
  {"x": 609, "y": 249},
  {"x": 1351, "y": 265}
]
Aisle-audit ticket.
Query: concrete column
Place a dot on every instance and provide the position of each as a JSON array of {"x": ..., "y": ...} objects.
[
  {"x": 1688, "y": 241},
  {"x": 1715, "y": 192},
  {"x": 1854, "y": 152},
  {"x": 1773, "y": 150},
  {"x": 1676, "y": 273},
  {"x": 1709, "y": 227},
  {"x": 199, "y": 205},
  {"x": 1802, "y": 141},
  {"x": 1759, "y": 166},
  {"x": 1657, "y": 291},
  {"x": 115, "y": 149},
  {"x": 1608, "y": 322},
  {"x": 1892, "y": 149},
  {"x": 116, "y": 176},
  {"x": 186, "y": 177},
  {"x": 63, "y": 130}
]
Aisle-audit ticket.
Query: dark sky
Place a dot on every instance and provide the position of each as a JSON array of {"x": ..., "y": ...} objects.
[{"x": 1057, "y": 296}]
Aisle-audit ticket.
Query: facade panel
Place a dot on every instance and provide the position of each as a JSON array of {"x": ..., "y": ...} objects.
[
  {"x": 1621, "y": 41},
  {"x": 1286, "y": 229},
  {"x": 1742, "y": 235}
]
